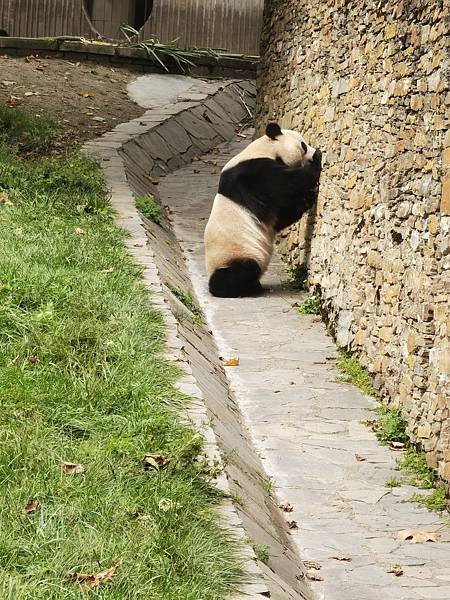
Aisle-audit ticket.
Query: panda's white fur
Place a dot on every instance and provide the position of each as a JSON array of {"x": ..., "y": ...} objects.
[{"x": 233, "y": 232}]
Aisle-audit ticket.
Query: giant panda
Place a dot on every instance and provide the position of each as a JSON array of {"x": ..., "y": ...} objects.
[{"x": 262, "y": 190}]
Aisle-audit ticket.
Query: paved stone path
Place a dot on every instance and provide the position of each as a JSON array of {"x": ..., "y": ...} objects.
[{"x": 307, "y": 427}]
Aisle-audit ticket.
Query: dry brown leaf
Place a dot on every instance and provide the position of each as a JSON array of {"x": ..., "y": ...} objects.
[
  {"x": 286, "y": 507},
  {"x": 417, "y": 536},
  {"x": 92, "y": 581},
  {"x": 397, "y": 446},
  {"x": 153, "y": 180},
  {"x": 231, "y": 362},
  {"x": 312, "y": 564},
  {"x": 14, "y": 101},
  {"x": 31, "y": 94},
  {"x": 72, "y": 468},
  {"x": 155, "y": 461},
  {"x": 33, "y": 359},
  {"x": 292, "y": 524},
  {"x": 342, "y": 557},
  {"x": 4, "y": 199},
  {"x": 31, "y": 506},
  {"x": 396, "y": 569},
  {"x": 313, "y": 576},
  {"x": 79, "y": 231},
  {"x": 85, "y": 94},
  {"x": 360, "y": 458}
]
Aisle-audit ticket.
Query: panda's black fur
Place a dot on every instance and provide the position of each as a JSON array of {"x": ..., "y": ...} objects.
[{"x": 276, "y": 195}]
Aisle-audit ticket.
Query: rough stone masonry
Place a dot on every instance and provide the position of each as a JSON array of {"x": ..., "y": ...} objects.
[{"x": 368, "y": 82}]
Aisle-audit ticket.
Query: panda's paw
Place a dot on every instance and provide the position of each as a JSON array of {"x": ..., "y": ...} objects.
[{"x": 317, "y": 158}]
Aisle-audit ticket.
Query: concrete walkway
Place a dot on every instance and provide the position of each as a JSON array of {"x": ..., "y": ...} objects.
[{"x": 307, "y": 427}]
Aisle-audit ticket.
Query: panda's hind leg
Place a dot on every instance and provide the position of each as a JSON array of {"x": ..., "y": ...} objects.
[{"x": 240, "y": 278}]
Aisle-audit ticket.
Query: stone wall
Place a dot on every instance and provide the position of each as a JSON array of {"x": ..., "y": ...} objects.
[{"x": 368, "y": 83}]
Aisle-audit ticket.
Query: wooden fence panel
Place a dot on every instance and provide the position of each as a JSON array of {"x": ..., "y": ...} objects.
[{"x": 233, "y": 25}]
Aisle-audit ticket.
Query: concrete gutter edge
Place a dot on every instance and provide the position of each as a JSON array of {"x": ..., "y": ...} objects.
[{"x": 108, "y": 149}]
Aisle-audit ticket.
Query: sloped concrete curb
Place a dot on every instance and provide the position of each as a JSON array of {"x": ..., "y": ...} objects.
[{"x": 178, "y": 133}]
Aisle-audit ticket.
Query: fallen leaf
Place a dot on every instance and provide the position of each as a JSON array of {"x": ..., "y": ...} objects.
[
  {"x": 79, "y": 231},
  {"x": 155, "y": 461},
  {"x": 14, "y": 101},
  {"x": 342, "y": 557},
  {"x": 4, "y": 199},
  {"x": 417, "y": 536},
  {"x": 360, "y": 458},
  {"x": 92, "y": 581},
  {"x": 166, "y": 504},
  {"x": 153, "y": 180},
  {"x": 85, "y": 94},
  {"x": 396, "y": 569},
  {"x": 286, "y": 507},
  {"x": 31, "y": 506},
  {"x": 396, "y": 446},
  {"x": 33, "y": 359},
  {"x": 231, "y": 362},
  {"x": 312, "y": 564},
  {"x": 313, "y": 576},
  {"x": 100, "y": 119},
  {"x": 18, "y": 230},
  {"x": 72, "y": 468},
  {"x": 31, "y": 94},
  {"x": 292, "y": 524}
]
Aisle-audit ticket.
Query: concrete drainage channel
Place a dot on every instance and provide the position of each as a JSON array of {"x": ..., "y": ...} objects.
[{"x": 132, "y": 155}]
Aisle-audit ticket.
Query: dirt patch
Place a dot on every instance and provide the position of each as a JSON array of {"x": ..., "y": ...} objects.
[{"x": 86, "y": 99}]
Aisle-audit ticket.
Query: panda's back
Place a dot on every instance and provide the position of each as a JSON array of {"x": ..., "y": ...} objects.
[{"x": 232, "y": 232}]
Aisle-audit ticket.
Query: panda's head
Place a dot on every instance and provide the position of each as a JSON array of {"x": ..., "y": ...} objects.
[{"x": 288, "y": 146}]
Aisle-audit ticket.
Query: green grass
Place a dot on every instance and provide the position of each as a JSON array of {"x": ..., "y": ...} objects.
[
  {"x": 391, "y": 427},
  {"x": 82, "y": 379},
  {"x": 27, "y": 132},
  {"x": 149, "y": 208},
  {"x": 189, "y": 302},
  {"x": 393, "y": 482},
  {"x": 262, "y": 552},
  {"x": 437, "y": 500},
  {"x": 417, "y": 472},
  {"x": 352, "y": 372},
  {"x": 311, "y": 306},
  {"x": 297, "y": 276}
]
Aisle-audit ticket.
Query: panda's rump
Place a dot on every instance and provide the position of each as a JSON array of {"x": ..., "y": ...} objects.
[{"x": 233, "y": 233}]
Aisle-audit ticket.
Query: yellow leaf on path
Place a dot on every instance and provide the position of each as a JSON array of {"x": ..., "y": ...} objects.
[
  {"x": 312, "y": 564},
  {"x": 232, "y": 362},
  {"x": 417, "y": 536},
  {"x": 396, "y": 569},
  {"x": 313, "y": 576}
]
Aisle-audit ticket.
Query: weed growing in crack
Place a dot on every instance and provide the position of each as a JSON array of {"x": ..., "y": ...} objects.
[
  {"x": 149, "y": 208},
  {"x": 352, "y": 372},
  {"x": 189, "y": 302},
  {"x": 262, "y": 552},
  {"x": 417, "y": 472},
  {"x": 393, "y": 482},
  {"x": 311, "y": 306},
  {"x": 297, "y": 276},
  {"x": 437, "y": 500},
  {"x": 390, "y": 427}
]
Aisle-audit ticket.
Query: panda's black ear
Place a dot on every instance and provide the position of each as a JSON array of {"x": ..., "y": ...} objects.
[{"x": 273, "y": 130}]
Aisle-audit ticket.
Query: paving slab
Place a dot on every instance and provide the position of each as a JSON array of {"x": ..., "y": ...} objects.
[{"x": 306, "y": 424}]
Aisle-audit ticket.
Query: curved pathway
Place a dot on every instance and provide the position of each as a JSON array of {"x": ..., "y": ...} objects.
[{"x": 307, "y": 427}]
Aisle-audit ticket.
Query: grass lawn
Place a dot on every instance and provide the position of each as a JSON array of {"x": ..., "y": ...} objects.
[{"x": 82, "y": 381}]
